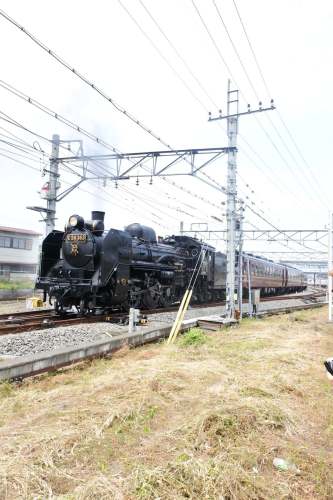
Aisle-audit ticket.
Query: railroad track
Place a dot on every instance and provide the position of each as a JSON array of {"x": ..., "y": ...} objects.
[
  {"x": 43, "y": 319},
  {"x": 34, "y": 364}
]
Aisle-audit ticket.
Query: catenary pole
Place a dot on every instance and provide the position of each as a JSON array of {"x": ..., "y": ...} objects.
[
  {"x": 232, "y": 129},
  {"x": 330, "y": 266},
  {"x": 240, "y": 260},
  {"x": 53, "y": 185},
  {"x": 232, "y": 117}
]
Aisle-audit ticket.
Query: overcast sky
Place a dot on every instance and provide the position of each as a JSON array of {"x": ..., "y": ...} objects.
[{"x": 105, "y": 40}]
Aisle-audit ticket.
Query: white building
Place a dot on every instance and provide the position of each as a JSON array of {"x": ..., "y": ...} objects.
[{"x": 19, "y": 252}]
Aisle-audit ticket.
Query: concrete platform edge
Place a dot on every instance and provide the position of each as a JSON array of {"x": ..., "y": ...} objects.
[{"x": 50, "y": 360}]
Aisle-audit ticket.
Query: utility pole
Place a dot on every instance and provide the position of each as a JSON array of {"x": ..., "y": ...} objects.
[
  {"x": 53, "y": 185},
  {"x": 232, "y": 130},
  {"x": 240, "y": 259},
  {"x": 49, "y": 190},
  {"x": 330, "y": 267}
]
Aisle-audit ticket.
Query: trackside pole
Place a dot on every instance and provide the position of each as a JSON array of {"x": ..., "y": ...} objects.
[
  {"x": 330, "y": 267},
  {"x": 180, "y": 316},
  {"x": 249, "y": 287}
]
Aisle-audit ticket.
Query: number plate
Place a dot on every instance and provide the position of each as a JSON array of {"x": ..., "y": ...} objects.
[{"x": 76, "y": 237}]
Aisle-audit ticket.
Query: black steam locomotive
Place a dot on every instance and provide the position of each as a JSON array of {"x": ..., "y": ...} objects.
[{"x": 96, "y": 270}]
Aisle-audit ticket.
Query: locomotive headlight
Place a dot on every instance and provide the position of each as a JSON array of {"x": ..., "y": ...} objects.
[
  {"x": 76, "y": 221},
  {"x": 73, "y": 221}
]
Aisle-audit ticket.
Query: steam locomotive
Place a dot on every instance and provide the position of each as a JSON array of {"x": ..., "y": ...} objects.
[{"x": 97, "y": 270}]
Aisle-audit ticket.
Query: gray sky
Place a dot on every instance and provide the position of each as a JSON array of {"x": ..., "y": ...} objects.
[{"x": 293, "y": 44}]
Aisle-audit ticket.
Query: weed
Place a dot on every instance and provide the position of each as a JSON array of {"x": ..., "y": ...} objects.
[
  {"x": 255, "y": 392},
  {"x": 200, "y": 422},
  {"x": 6, "y": 389},
  {"x": 194, "y": 337}
]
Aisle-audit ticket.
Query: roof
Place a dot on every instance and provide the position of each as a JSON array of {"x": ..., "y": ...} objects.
[{"x": 5, "y": 229}]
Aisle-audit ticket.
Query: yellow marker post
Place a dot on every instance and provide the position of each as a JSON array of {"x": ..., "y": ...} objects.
[
  {"x": 181, "y": 317},
  {"x": 182, "y": 304}
]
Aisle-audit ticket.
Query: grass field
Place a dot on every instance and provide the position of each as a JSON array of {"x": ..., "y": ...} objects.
[
  {"x": 203, "y": 419},
  {"x": 16, "y": 285}
]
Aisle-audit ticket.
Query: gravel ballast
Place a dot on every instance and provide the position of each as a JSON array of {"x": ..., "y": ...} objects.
[{"x": 37, "y": 341}]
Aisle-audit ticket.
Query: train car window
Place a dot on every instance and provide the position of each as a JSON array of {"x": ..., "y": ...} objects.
[{"x": 4, "y": 242}]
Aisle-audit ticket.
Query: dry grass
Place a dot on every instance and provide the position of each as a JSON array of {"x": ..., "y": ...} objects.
[{"x": 203, "y": 419}]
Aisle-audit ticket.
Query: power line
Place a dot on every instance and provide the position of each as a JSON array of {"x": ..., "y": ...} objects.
[
  {"x": 176, "y": 51},
  {"x": 27, "y": 157},
  {"x": 82, "y": 77},
  {"x": 213, "y": 41},
  {"x": 268, "y": 117},
  {"x": 78, "y": 128},
  {"x": 10, "y": 120},
  {"x": 252, "y": 50},
  {"x": 236, "y": 51},
  {"x": 268, "y": 93},
  {"x": 20, "y": 162},
  {"x": 145, "y": 34},
  {"x": 192, "y": 74}
]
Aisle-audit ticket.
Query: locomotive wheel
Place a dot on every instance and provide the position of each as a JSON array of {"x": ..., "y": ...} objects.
[
  {"x": 83, "y": 308},
  {"x": 135, "y": 297},
  {"x": 166, "y": 298},
  {"x": 151, "y": 298},
  {"x": 58, "y": 307}
]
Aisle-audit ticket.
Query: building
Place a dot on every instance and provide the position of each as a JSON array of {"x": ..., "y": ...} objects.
[{"x": 19, "y": 253}]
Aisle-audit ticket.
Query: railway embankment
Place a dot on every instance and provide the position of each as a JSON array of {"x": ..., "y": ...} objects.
[{"x": 204, "y": 418}]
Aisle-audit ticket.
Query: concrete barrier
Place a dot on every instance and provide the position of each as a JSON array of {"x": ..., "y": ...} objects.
[{"x": 26, "y": 366}]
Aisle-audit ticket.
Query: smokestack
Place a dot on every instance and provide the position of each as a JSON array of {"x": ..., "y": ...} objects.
[{"x": 96, "y": 215}]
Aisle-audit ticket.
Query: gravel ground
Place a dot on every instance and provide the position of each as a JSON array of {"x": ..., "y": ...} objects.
[
  {"x": 45, "y": 340},
  {"x": 15, "y": 306}
]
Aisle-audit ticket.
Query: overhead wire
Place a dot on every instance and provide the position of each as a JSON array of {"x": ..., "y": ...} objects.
[
  {"x": 82, "y": 77},
  {"x": 145, "y": 34},
  {"x": 88, "y": 82},
  {"x": 68, "y": 67},
  {"x": 267, "y": 135},
  {"x": 269, "y": 93},
  {"x": 85, "y": 79},
  {"x": 274, "y": 182},
  {"x": 78, "y": 128}
]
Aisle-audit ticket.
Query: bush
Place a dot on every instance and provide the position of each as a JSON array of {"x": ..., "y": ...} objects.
[
  {"x": 193, "y": 337},
  {"x": 16, "y": 285}
]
